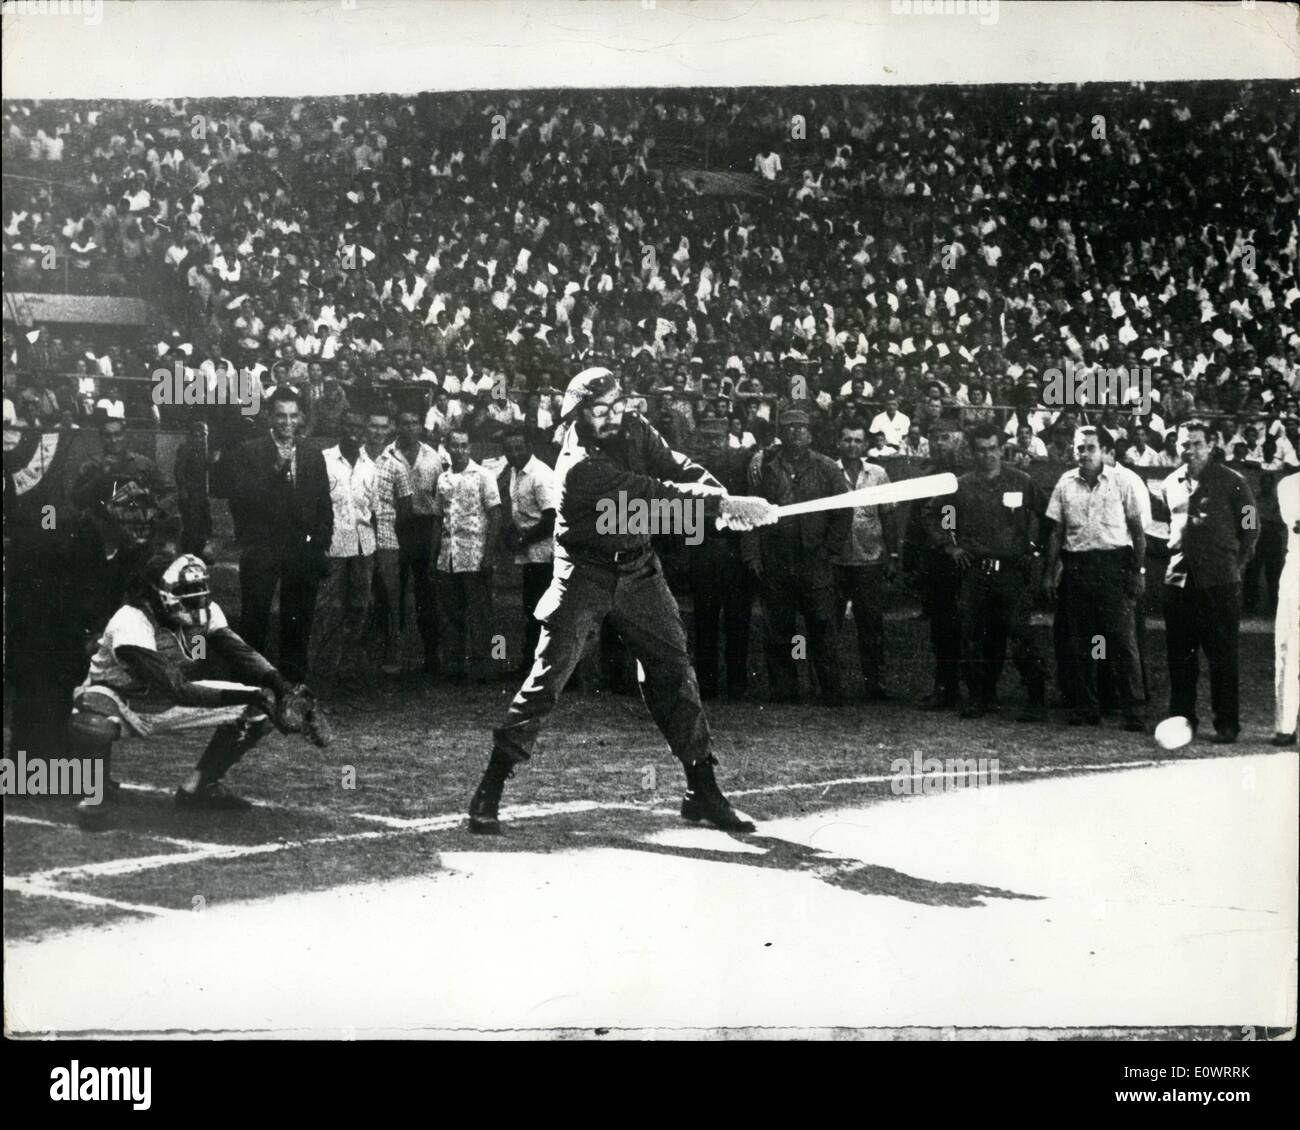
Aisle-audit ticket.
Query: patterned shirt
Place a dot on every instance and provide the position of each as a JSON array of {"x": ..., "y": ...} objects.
[
  {"x": 392, "y": 482},
  {"x": 423, "y": 475},
  {"x": 1097, "y": 516},
  {"x": 352, "y": 494},
  {"x": 462, "y": 500}
]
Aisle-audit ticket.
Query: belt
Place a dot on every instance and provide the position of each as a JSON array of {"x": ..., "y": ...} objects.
[
  {"x": 614, "y": 559},
  {"x": 997, "y": 564}
]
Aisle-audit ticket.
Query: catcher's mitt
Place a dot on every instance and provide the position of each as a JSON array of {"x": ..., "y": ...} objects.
[{"x": 298, "y": 713}]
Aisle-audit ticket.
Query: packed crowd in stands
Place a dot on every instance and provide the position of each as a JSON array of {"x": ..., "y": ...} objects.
[{"x": 889, "y": 255}]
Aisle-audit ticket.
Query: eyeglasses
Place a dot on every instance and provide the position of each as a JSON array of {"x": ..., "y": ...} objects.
[{"x": 603, "y": 411}]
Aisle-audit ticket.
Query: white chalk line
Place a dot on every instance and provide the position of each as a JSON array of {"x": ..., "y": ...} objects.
[
  {"x": 880, "y": 778},
  {"x": 41, "y": 883}
]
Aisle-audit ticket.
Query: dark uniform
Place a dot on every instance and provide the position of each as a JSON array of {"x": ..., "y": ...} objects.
[
  {"x": 794, "y": 557},
  {"x": 996, "y": 522},
  {"x": 721, "y": 585},
  {"x": 614, "y": 576},
  {"x": 939, "y": 582}
]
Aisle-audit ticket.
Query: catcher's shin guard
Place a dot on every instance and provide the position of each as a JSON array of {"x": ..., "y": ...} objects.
[
  {"x": 704, "y": 800},
  {"x": 230, "y": 741},
  {"x": 92, "y": 735},
  {"x": 483, "y": 819}
]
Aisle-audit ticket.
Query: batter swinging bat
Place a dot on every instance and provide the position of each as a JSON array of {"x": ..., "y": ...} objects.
[{"x": 927, "y": 486}]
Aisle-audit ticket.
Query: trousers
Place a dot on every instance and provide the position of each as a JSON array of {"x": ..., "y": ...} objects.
[
  {"x": 465, "y": 610},
  {"x": 534, "y": 583},
  {"x": 298, "y": 577},
  {"x": 787, "y": 595},
  {"x": 722, "y": 591},
  {"x": 415, "y": 560},
  {"x": 344, "y": 611},
  {"x": 995, "y": 610},
  {"x": 863, "y": 586},
  {"x": 638, "y": 604},
  {"x": 940, "y": 586},
  {"x": 1100, "y": 622},
  {"x": 1204, "y": 619}
]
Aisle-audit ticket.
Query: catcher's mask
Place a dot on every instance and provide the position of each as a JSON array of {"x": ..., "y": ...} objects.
[
  {"x": 182, "y": 593},
  {"x": 130, "y": 509}
]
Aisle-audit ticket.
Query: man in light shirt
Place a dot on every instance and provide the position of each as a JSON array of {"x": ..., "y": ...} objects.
[
  {"x": 891, "y": 423},
  {"x": 345, "y": 595},
  {"x": 529, "y": 496},
  {"x": 467, "y": 513},
  {"x": 423, "y": 465},
  {"x": 392, "y": 507},
  {"x": 1096, "y": 566}
]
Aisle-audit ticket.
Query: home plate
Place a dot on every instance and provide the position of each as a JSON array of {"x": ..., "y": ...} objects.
[{"x": 1162, "y": 896}]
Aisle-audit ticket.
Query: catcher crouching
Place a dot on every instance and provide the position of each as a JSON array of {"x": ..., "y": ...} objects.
[{"x": 141, "y": 683}]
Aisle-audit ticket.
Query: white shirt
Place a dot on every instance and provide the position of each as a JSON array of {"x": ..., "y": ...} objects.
[
  {"x": 894, "y": 430},
  {"x": 533, "y": 489},
  {"x": 352, "y": 494}
]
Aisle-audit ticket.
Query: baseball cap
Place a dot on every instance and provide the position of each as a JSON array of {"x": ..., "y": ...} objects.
[{"x": 585, "y": 386}]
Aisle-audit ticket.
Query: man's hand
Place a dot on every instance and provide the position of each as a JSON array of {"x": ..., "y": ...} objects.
[
  {"x": 960, "y": 556},
  {"x": 1052, "y": 579},
  {"x": 745, "y": 512}
]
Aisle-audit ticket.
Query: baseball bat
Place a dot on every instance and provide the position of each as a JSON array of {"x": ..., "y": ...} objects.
[{"x": 927, "y": 486}]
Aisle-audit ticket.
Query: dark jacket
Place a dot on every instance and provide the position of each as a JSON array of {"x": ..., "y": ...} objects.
[
  {"x": 638, "y": 465},
  {"x": 802, "y": 545},
  {"x": 273, "y": 514},
  {"x": 1222, "y": 527}
]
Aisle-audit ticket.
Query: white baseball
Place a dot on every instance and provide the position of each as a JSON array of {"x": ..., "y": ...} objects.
[{"x": 1173, "y": 733}]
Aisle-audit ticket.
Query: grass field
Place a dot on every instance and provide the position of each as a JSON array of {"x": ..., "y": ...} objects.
[{"x": 389, "y": 794}]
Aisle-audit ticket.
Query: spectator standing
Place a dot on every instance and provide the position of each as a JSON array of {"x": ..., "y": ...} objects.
[
  {"x": 721, "y": 586},
  {"x": 791, "y": 560},
  {"x": 284, "y": 522},
  {"x": 191, "y": 473},
  {"x": 1213, "y": 528},
  {"x": 392, "y": 508},
  {"x": 345, "y": 596},
  {"x": 529, "y": 497},
  {"x": 936, "y": 574},
  {"x": 866, "y": 561},
  {"x": 115, "y": 461},
  {"x": 1096, "y": 567},
  {"x": 995, "y": 520},
  {"x": 415, "y": 532},
  {"x": 467, "y": 511}
]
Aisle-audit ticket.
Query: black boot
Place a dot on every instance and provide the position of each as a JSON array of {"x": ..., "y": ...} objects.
[
  {"x": 704, "y": 800},
  {"x": 483, "y": 818}
]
